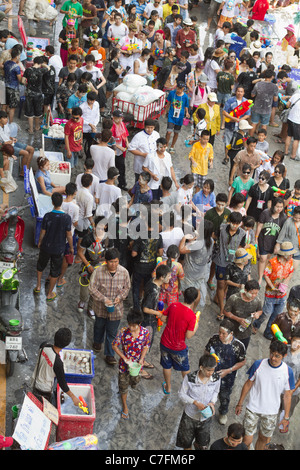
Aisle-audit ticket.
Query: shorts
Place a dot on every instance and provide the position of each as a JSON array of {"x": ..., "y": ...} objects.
[
  {"x": 125, "y": 380},
  {"x": 55, "y": 263},
  {"x": 220, "y": 273},
  {"x": 213, "y": 8},
  {"x": 223, "y": 19},
  {"x": 296, "y": 257},
  {"x": 190, "y": 430},
  {"x": 82, "y": 233},
  {"x": 110, "y": 86},
  {"x": 17, "y": 147},
  {"x": 267, "y": 423},
  {"x": 48, "y": 99},
  {"x": 12, "y": 97},
  {"x": 173, "y": 127},
  {"x": 293, "y": 130},
  {"x": 179, "y": 360},
  {"x": 33, "y": 105},
  {"x": 199, "y": 180},
  {"x": 223, "y": 97},
  {"x": 264, "y": 119},
  {"x": 227, "y": 136}
]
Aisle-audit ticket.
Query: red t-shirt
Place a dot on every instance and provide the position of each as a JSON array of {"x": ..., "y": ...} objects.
[
  {"x": 75, "y": 132},
  {"x": 180, "y": 320}
]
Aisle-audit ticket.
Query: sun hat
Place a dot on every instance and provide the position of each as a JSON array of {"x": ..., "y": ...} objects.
[
  {"x": 241, "y": 256},
  {"x": 290, "y": 27},
  {"x": 243, "y": 125},
  {"x": 212, "y": 96},
  {"x": 255, "y": 46},
  {"x": 286, "y": 249},
  {"x": 219, "y": 52},
  {"x": 188, "y": 22},
  {"x": 203, "y": 78}
]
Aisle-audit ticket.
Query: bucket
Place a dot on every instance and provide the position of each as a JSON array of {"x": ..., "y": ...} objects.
[
  {"x": 110, "y": 308},
  {"x": 15, "y": 411},
  {"x": 186, "y": 121},
  {"x": 134, "y": 369}
]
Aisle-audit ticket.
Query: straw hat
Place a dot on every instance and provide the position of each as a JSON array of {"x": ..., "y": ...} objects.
[
  {"x": 242, "y": 256},
  {"x": 286, "y": 249},
  {"x": 255, "y": 46}
]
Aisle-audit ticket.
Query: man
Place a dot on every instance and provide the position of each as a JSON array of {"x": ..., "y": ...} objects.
[
  {"x": 167, "y": 8},
  {"x": 117, "y": 30},
  {"x": 199, "y": 393},
  {"x": 20, "y": 150},
  {"x": 9, "y": 42},
  {"x": 50, "y": 367},
  {"x": 91, "y": 117},
  {"x": 181, "y": 324},
  {"x": 233, "y": 439},
  {"x": 79, "y": 97},
  {"x": 229, "y": 106},
  {"x": 55, "y": 61},
  {"x": 109, "y": 286},
  {"x": 185, "y": 37},
  {"x": 56, "y": 227},
  {"x": 48, "y": 85},
  {"x": 265, "y": 93},
  {"x": 247, "y": 155},
  {"x": 153, "y": 6},
  {"x": 174, "y": 27},
  {"x": 232, "y": 357},
  {"x": 107, "y": 193},
  {"x": 71, "y": 67},
  {"x": 72, "y": 9},
  {"x": 103, "y": 156},
  {"x": 268, "y": 379},
  {"x": 89, "y": 12},
  {"x": 33, "y": 79},
  {"x": 73, "y": 136},
  {"x": 12, "y": 76},
  {"x": 277, "y": 275},
  {"x": 289, "y": 321},
  {"x": 142, "y": 144}
]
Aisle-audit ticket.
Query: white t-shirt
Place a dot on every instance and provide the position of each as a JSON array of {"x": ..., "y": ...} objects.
[
  {"x": 269, "y": 383},
  {"x": 85, "y": 203},
  {"x": 117, "y": 31},
  {"x": 294, "y": 114},
  {"x": 172, "y": 237},
  {"x": 91, "y": 189},
  {"x": 229, "y": 8},
  {"x": 159, "y": 167},
  {"x": 72, "y": 209},
  {"x": 107, "y": 194},
  {"x": 150, "y": 7},
  {"x": 211, "y": 69},
  {"x": 104, "y": 158},
  {"x": 56, "y": 61},
  {"x": 145, "y": 143},
  {"x": 95, "y": 71}
]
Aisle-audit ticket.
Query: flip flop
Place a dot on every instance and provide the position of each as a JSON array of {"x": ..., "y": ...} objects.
[
  {"x": 164, "y": 389},
  {"x": 51, "y": 298},
  {"x": 279, "y": 141},
  {"x": 146, "y": 376},
  {"x": 36, "y": 291},
  {"x": 148, "y": 366},
  {"x": 274, "y": 125},
  {"x": 220, "y": 317},
  {"x": 63, "y": 283},
  {"x": 124, "y": 415},
  {"x": 211, "y": 286}
]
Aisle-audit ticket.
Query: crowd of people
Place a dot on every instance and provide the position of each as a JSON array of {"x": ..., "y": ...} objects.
[{"x": 167, "y": 243}]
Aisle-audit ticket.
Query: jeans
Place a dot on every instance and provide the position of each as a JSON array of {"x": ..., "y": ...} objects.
[
  {"x": 108, "y": 328},
  {"x": 224, "y": 396},
  {"x": 271, "y": 308}
]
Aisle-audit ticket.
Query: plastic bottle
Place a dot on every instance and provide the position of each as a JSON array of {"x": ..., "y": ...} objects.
[
  {"x": 248, "y": 321},
  {"x": 76, "y": 443}
]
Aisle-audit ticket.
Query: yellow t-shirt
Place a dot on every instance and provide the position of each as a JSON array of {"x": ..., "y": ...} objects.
[
  {"x": 167, "y": 10},
  {"x": 201, "y": 156}
]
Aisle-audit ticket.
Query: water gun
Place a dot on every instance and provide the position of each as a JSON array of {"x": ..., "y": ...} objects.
[
  {"x": 83, "y": 405},
  {"x": 76, "y": 443},
  {"x": 158, "y": 52},
  {"x": 278, "y": 333},
  {"x": 237, "y": 66},
  {"x": 280, "y": 95},
  {"x": 212, "y": 353},
  {"x": 130, "y": 47},
  {"x": 240, "y": 109},
  {"x": 279, "y": 191},
  {"x": 160, "y": 308},
  {"x": 198, "y": 316},
  {"x": 158, "y": 260},
  {"x": 115, "y": 39}
]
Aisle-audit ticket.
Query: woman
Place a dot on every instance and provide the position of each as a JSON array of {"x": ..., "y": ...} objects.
[
  {"x": 270, "y": 223},
  {"x": 198, "y": 90},
  {"x": 114, "y": 73},
  {"x": 197, "y": 260},
  {"x": 290, "y": 37},
  {"x": 290, "y": 232},
  {"x": 205, "y": 199},
  {"x": 237, "y": 204},
  {"x": 278, "y": 157},
  {"x": 159, "y": 164},
  {"x": 64, "y": 91},
  {"x": 212, "y": 116},
  {"x": 159, "y": 43},
  {"x": 243, "y": 183},
  {"x": 43, "y": 178},
  {"x": 120, "y": 133},
  {"x": 278, "y": 179},
  {"x": 211, "y": 68},
  {"x": 65, "y": 37},
  {"x": 185, "y": 193},
  {"x": 260, "y": 196}
]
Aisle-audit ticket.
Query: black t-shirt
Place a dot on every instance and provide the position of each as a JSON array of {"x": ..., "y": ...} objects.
[
  {"x": 56, "y": 224},
  {"x": 34, "y": 78},
  {"x": 259, "y": 200},
  {"x": 147, "y": 249},
  {"x": 112, "y": 75},
  {"x": 48, "y": 83},
  {"x": 150, "y": 299},
  {"x": 64, "y": 36},
  {"x": 270, "y": 230},
  {"x": 94, "y": 251},
  {"x": 246, "y": 80},
  {"x": 220, "y": 444},
  {"x": 237, "y": 275}
]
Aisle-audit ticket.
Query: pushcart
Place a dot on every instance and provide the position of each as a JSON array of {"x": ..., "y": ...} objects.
[{"x": 140, "y": 113}]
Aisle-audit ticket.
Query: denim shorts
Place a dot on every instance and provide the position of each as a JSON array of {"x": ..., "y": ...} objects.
[
  {"x": 179, "y": 360},
  {"x": 223, "y": 97},
  {"x": 17, "y": 147},
  {"x": 220, "y": 273},
  {"x": 264, "y": 119}
]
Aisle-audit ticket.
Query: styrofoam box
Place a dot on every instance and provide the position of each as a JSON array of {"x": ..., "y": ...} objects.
[
  {"x": 61, "y": 178},
  {"x": 74, "y": 375}
]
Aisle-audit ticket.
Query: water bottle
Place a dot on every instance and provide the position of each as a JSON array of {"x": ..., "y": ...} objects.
[{"x": 248, "y": 321}]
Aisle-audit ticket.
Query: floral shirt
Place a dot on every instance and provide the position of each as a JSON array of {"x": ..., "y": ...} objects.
[
  {"x": 131, "y": 347},
  {"x": 277, "y": 273}
]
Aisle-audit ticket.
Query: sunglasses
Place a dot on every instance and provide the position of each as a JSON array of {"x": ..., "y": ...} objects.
[
  {"x": 262, "y": 179},
  {"x": 278, "y": 172},
  {"x": 246, "y": 172}
]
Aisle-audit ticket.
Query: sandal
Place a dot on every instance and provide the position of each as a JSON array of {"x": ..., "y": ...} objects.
[
  {"x": 147, "y": 376},
  {"x": 220, "y": 317},
  {"x": 62, "y": 284},
  {"x": 211, "y": 285},
  {"x": 36, "y": 291},
  {"x": 164, "y": 389},
  {"x": 124, "y": 415},
  {"x": 148, "y": 366},
  {"x": 279, "y": 141},
  {"x": 50, "y": 299}
]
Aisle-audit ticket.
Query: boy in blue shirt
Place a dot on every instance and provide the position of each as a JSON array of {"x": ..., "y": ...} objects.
[{"x": 177, "y": 109}]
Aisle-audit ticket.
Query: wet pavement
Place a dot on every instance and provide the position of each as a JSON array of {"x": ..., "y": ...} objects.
[{"x": 154, "y": 417}]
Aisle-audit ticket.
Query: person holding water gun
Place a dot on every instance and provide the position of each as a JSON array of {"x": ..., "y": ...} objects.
[{"x": 169, "y": 293}]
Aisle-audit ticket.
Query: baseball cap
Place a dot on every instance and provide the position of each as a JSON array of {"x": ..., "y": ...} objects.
[
  {"x": 212, "y": 97},
  {"x": 117, "y": 113}
]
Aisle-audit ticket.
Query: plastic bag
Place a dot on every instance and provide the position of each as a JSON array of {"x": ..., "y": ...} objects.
[
  {"x": 7, "y": 183},
  {"x": 133, "y": 80}
]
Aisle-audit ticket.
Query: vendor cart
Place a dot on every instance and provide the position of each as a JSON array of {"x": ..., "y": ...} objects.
[{"x": 140, "y": 113}]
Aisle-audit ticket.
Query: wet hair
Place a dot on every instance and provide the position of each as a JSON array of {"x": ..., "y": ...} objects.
[
  {"x": 190, "y": 295},
  {"x": 279, "y": 347},
  {"x": 235, "y": 217},
  {"x": 207, "y": 361},
  {"x": 56, "y": 199},
  {"x": 145, "y": 175},
  {"x": 227, "y": 324},
  {"x": 71, "y": 189},
  {"x": 236, "y": 431},
  {"x": 62, "y": 337},
  {"x": 135, "y": 316},
  {"x": 252, "y": 285},
  {"x": 221, "y": 197},
  {"x": 162, "y": 270},
  {"x": 86, "y": 180},
  {"x": 172, "y": 253},
  {"x": 112, "y": 172},
  {"x": 89, "y": 163},
  {"x": 71, "y": 77}
]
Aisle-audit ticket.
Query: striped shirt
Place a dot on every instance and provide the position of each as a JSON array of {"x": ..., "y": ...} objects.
[{"x": 103, "y": 285}]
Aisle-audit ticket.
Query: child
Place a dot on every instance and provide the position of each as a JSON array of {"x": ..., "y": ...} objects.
[
  {"x": 201, "y": 157},
  {"x": 150, "y": 304},
  {"x": 96, "y": 47},
  {"x": 75, "y": 49},
  {"x": 294, "y": 200},
  {"x": 169, "y": 56},
  {"x": 141, "y": 193},
  {"x": 131, "y": 344},
  {"x": 185, "y": 193},
  {"x": 169, "y": 293},
  {"x": 200, "y": 126},
  {"x": 237, "y": 203},
  {"x": 205, "y": 198},
  {"x": 262, "y": 144},
  {"x": 90, "y": 33},
  {"x": 248, "y": 224}
]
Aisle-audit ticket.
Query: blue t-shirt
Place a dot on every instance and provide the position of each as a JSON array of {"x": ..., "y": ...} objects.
[
  {"x": 202, "y": 200},
  {"x": 239, "y": 44},
  {"x": 74, "y": 101},
  {"x": 178, "y": 103},
  {"x": 11, "y": 72},
  {"x": 47, "y": 180},
  {"x": 56, "y": 224}
]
